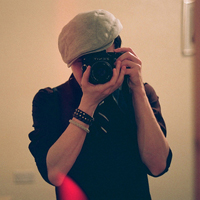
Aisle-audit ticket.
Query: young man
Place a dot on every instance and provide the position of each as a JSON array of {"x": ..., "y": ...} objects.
[{"x": 108, "y": 136}]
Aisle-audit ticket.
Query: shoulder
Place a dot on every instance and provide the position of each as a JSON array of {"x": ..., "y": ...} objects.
[
  {"x": 155, "y": 104},
  {"x": 44, "y": 103},
  {"x": 43, "y": 92},
  {"x": 42, "y": 95},
  {"x": 150, "y": 92}
]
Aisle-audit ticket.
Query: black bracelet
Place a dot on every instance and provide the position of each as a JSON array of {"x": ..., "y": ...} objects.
[{"x": 82, "y": 116}]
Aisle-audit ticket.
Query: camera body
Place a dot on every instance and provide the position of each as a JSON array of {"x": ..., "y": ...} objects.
[{"x": 102, "y": 64}]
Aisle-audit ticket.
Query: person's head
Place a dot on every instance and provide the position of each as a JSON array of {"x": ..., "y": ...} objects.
[{"x": 89, "y": 32}]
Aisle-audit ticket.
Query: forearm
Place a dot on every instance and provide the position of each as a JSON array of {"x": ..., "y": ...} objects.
[
  {"x": 62, "y": 155},
  {"x": 153, "y": 145},
  {"x": 64, "y": 152}
]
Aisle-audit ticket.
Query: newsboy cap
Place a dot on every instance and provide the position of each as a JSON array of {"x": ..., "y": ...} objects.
[{"x": 88, "y": 32}]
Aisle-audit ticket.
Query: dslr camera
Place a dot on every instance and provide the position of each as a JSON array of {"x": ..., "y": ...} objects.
[{"x": 102, "y": 64}]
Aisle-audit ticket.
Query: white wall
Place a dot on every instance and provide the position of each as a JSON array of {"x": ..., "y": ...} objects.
[{"x": 29, "y": 60}]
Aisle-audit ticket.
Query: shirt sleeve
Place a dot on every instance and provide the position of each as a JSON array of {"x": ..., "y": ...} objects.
[
  {"x": 46, "y": 124},
  {"x": 155, "y": 104}
]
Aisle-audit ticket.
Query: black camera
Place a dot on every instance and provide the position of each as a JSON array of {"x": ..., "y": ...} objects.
[{"x": 102, "y": 64}]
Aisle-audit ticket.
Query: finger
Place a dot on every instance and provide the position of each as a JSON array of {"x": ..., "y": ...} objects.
[
  {"x": 116, "y": 72},
  {"x": 86, "y": 75},
  {"x": 121, "y": 76},
  {"x": 125, "y": 49},
  {"x": 118, "y": 66},
  {"x": 129, "y": 56},
  {"x": 130, "y": 64}
]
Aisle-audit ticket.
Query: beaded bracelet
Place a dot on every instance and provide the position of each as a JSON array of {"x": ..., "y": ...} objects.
[
  {"x": 79, "y": 125},
  {"x": 82, "y": 116}
]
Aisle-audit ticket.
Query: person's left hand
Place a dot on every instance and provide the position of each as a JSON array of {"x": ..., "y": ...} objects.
[{"x": 133, "y": 67}]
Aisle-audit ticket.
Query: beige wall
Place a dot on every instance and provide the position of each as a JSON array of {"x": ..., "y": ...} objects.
[{"x": 30, "y": 60}]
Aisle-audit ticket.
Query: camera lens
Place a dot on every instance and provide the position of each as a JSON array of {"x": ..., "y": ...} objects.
[{"x": 101, "y": 72}]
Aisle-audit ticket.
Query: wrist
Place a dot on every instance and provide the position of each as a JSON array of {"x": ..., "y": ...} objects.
[
  {"x": 138, "y": 92},
  {"x": 83, "y": 117},
  {"x": 136, "y": 85},
  {"x": 138, "y": 89},
  {"x": 87, "y": 107}
]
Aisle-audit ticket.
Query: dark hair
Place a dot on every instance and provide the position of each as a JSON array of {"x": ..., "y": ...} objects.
[{"x": 117, "y": 42}]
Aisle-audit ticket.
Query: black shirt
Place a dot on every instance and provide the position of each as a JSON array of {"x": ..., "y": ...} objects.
[{"x": 109, "y": 166}]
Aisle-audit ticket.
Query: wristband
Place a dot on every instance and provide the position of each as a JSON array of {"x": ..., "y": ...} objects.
[
  {"x": 83, "y": 117},
  {"x": 79, "y": 125}
]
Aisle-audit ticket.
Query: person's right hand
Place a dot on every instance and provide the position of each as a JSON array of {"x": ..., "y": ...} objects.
[{"x": 94, "y": 94}]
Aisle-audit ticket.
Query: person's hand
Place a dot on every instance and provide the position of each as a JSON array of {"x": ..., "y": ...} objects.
[
  {"x": 133, "y": 66},
  {"x": 94, "y": 94}
]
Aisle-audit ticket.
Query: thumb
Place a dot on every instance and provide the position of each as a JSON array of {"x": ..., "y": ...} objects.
[{"x": 86, "y": 75}]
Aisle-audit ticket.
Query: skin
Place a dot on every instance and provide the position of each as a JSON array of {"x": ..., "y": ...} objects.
[{"x": 153, "y": 146}]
